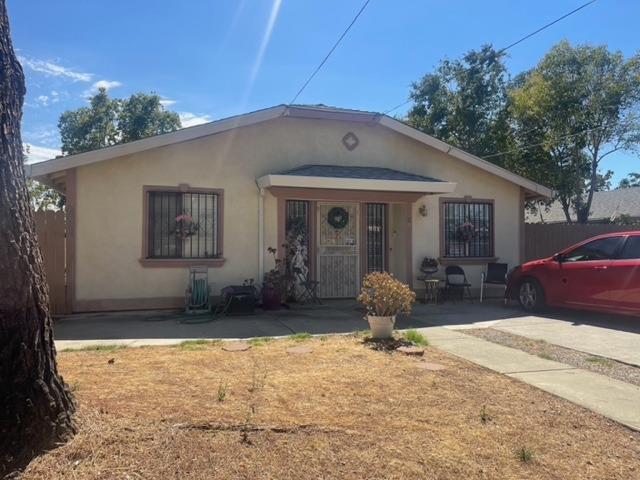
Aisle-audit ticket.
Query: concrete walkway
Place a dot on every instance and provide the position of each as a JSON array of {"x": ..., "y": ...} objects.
[{"x": 612, "y": 398}]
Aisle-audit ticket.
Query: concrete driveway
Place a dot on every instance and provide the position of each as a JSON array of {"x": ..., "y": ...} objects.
[{"x": 604, "y": 335}]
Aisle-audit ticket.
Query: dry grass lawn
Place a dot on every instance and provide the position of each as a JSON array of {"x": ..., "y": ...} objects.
[{"x": 343, "y": 411}]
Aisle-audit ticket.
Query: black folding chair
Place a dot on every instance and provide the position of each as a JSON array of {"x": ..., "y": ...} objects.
[
  {"x": 456, "y": 283},
  {"x": 309, "y": 288},
  {"x": 496, "y": 274}
]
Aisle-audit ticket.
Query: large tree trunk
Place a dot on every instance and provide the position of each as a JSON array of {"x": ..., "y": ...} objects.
[{"x": 36, "y": 407}]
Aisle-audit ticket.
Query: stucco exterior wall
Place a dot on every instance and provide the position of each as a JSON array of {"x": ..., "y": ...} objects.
[{"x": 109, "y": 212}]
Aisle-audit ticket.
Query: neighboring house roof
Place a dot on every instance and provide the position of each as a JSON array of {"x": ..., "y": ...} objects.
[
  {"x": 60, "y": 164},
  {"x": 606, "y": 205},
  {"x": 355, "y": 178}
]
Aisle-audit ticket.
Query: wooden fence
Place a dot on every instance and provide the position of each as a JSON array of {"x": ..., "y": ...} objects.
[
  {"x": 50, "y": 228},
  {"x": 543, "y": 240}
]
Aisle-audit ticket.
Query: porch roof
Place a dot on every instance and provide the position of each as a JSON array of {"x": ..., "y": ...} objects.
[{"x": 355, "y": 178}]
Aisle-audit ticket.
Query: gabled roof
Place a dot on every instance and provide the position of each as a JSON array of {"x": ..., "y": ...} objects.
[
  {"x": 355, "y": 178},
  {"x": 605, "y": 206},
  {"x": 59, "y": 164}
]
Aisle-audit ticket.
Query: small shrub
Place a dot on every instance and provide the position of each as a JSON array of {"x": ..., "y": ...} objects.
[
  {"x": 545, "y": 356},
  {"x": 300, "y": 337},
  {"x": 384, "y": 296},
  {"x": 222, "y": 392},
  {"x": 416, "y": 338},
  {"x": 484, "y": 416},
  {"x": 524, "y": 455}
]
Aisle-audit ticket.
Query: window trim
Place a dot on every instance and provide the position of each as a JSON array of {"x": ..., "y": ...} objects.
[
  {"x": 445, "y": 260},
  {"x": 622, "y": 247},
  {"x": 145, "y": 261}
]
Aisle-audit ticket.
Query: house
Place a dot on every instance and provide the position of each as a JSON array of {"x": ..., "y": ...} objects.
[
  {"x": 359, "y": 191},
  {"x": 607, "y": 206}
]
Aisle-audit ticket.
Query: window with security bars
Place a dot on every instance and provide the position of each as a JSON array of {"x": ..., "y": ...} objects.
[
  {"x": 376, "y": 228},
  {"x": 183, "y": 225},
  {"x": 468, "y": 229}
]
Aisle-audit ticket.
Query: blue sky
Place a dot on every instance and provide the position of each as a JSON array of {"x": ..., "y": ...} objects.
[{"x": 210, "y": 59}]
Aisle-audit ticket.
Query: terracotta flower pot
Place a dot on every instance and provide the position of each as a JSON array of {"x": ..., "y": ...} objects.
[{"x": 381, "y": 327}]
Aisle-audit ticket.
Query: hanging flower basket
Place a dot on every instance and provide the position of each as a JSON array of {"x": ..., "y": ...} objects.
[
  {"x": 338, "y": 217},
  {"x": 185, "y": 226},
  {"x": 467, "y": 231}
]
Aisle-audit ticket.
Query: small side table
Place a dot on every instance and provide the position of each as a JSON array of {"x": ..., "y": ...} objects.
[{"x": 431, "y": 289}]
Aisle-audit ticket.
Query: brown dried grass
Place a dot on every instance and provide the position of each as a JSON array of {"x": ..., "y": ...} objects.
[{"x": 343, "y": 411}]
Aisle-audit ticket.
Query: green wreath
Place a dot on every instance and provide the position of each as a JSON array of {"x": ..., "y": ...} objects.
[{"x": 338, "y": 217}]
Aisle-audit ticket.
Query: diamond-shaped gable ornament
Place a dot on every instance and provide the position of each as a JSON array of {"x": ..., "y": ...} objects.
[{"x": 350, "y": 141}]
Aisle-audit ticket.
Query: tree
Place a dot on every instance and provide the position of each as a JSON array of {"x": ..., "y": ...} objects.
[
  {"x": 109, "y": 121},
  {"x": 36, "y": 407},
  {"x": 576, "y": 107},
  {"x": 632, "y": 180},
  {"x": 464, "y": 103}
]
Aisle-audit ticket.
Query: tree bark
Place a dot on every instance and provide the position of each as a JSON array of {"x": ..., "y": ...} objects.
[{"x": 36, "y": 407}]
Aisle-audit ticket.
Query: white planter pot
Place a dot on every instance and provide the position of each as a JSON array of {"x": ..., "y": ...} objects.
[{"x": 381, "y": 327}]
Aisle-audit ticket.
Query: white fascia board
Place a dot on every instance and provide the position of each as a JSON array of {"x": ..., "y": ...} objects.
[
  {"x": 300, "y": 181},
  {"x": 478, "y": 162},
  {"x": 182, "y": 135}
]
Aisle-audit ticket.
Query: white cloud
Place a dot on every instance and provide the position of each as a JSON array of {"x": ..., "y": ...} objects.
[
  {"x": 42, "y": 100},
  {"x": 39, "y": 154},
  {"x": 106, "y": 84},
  {"x": 55, "y": 70},
  {"x": 189, "y": 119},
  {"x": 167, "y": 102}
]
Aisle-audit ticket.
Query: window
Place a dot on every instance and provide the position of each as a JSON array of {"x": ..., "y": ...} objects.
[
  {"x": 468, "y": 229},
  {"x": 297, "y": 237},
  {"x": 631, "y": 249},
  {"x": 376, "y": 228},
  {"x": 603, "y": 249},
  {"x": 184, "y": 225}
]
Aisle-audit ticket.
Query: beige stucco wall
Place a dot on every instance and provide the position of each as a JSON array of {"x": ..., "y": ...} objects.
[{"x": 110, "y": 199}]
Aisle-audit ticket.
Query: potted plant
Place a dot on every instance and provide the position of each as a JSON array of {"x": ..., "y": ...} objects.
[{"x": 384, "y": 297}]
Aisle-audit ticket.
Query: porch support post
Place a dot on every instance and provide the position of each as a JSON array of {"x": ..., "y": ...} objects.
[
  {"x": 260, "y": 234},
  {"x": 409, "y": 245}
]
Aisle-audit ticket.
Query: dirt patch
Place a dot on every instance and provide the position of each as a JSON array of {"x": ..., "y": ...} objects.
[
  {"x": 605, "y": 366},
  {"x": 344, "y": 411}
]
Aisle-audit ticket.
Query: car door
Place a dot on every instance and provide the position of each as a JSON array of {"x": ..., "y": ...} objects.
[
  {"x": 624, "y": 275},
  {"x": 582, "y": 276}
]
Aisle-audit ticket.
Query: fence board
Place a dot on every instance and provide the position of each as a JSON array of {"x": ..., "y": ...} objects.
[
  {"x": 50, "y": 229},
  {"x": 543, "y": 240}
]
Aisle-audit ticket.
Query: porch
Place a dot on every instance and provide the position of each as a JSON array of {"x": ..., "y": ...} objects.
[{"x": 335, "y": 224}]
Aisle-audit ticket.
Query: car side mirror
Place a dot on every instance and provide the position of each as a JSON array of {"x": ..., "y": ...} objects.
[{"x": 558, "y": 257}]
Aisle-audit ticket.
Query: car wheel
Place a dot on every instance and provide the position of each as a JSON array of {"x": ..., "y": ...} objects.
[{"x": 530, "y": 295}]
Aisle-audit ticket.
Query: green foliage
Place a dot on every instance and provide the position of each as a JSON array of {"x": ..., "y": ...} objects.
[
  {"x": 632, "y": 180},
  {"x": 416, "y": 338},
  {"x": 256, "y": 342},
  {"x": 300, "y": 337},
  {"x": 109, "y": 121},
  {"x": 524, "y": 455},
  {"x": 605, "y": 362},
  {"x": 222, "y": 392},
  {"x": 464, "y": 102},
  {"x": 576, "y": 107},
  {"x": 96, "y": 348},
  {"x": 43, "y": 197},
  {"x": 199, "y": 344}
]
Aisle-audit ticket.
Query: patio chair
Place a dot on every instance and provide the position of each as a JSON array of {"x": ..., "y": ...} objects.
[
  {"x": 309, "y": 288},
  {"x": 197, "y": 296},
  {"x": 496, "y": 274},
  {"x": 456, "y": 283}
]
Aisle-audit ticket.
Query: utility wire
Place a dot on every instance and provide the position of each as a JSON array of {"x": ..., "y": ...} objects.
[
  {"x": 335, "y": 45},
  {"x": 502, "y": 50}
]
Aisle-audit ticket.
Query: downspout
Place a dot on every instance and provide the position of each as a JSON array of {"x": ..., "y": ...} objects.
[{"x": 260, "y": 234}]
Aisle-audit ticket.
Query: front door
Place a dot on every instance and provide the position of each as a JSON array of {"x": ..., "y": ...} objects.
[{"x": 338, "y": 250}]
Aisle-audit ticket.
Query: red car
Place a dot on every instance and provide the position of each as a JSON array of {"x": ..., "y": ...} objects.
[{"x": 602, "y": 274}]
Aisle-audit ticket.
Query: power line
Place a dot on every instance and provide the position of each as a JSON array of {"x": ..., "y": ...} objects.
[
  {"x": 364, "y": 5},
  {"x": 502, "y": 50},
  {"x": 555, "y": 140}
]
